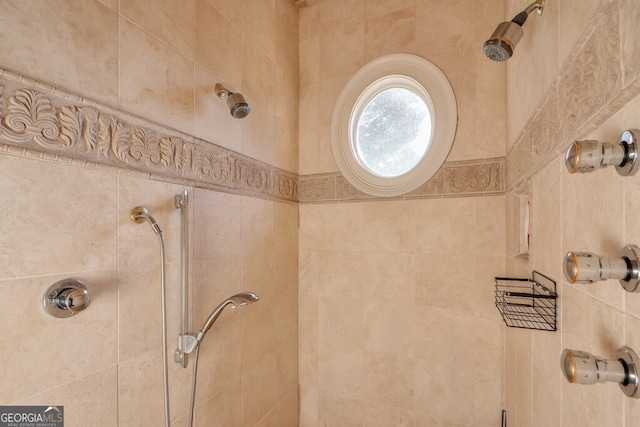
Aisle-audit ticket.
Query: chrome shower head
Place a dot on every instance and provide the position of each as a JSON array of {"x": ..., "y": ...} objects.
[
  {"x": 238, "y": 300},
  {"x": 238, "y": 106},
  {"x": 504, "y": 39},
  {"x": 140, "y": 215}
]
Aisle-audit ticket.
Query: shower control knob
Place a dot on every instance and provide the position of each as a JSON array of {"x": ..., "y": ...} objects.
[
  {"x": 66, "y": 298},
  {"x": 580, "y": 367},
  {"x": 587, "y": 156},
  {"x": 587, "y": 267}
]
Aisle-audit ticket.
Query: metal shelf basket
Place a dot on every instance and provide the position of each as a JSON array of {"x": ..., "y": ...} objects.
[{"x": 527, "y": 303}]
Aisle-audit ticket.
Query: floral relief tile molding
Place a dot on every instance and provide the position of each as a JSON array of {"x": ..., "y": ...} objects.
[
  {"x": 38, "y": 120},
  {"x": 454, "y": 179}
]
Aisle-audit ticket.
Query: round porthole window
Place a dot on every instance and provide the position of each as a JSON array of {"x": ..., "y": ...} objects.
[{"x": 393, "y": 125}]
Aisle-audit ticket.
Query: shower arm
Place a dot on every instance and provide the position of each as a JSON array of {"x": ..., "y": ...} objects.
[{"x": 537, "y": 5}]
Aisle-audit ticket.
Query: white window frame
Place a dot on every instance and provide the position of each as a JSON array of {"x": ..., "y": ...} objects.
[{"x": 411, "y": 72}]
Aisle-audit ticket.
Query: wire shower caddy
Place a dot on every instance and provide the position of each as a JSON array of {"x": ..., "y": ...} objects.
[{"x": 527, "y": 303}]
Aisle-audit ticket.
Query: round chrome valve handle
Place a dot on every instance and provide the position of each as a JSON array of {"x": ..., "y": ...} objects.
[
  {"x": 66, "y": 298},
  {"x": 587, "y": 267},
  {"x": 587, "y": 156}
]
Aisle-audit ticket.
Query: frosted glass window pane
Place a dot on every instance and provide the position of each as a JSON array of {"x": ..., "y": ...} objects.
[{"x": 393, "y": 133}]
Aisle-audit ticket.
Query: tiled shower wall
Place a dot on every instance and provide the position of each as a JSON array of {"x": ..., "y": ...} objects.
[
  {"x": 397, "y": 324},
  {"x": 574, "y": 77},
  {"x": 158, "y": 60}
]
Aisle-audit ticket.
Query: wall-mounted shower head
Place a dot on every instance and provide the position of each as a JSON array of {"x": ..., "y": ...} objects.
[
  {"x": 140, "y": 215},
  {"x": 238, "y": 300},
  {"x": 235, "y": 101},
  {"x": 504, "y": 39}
]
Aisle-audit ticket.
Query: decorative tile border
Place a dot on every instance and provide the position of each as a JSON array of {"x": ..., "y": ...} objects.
[
  {"x": 589, "y": 89},
  {"x": 475, "y": 178},
  {"x": 37, "y": 118}
]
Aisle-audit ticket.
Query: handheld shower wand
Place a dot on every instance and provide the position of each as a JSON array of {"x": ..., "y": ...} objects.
[
  {"x": 190, "y": 343},
  {"x": 238, "y": 300}
]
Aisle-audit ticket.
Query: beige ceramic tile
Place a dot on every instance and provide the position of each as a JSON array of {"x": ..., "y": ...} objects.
[
  {"x": 546, "y": 223},
  {"x": 342, "y": 51},
  {"x": 488, "y": 372},
  {"x": 111, "y": 4},
  {"x": 73, "y": 44},
  {"x": 258, "y": 134},
  {"x": 214, "y": 279},
  {"x": 444, "y": 281},
  {"x": 629, "y": 16},
  {"x": 139, "y": 311},
  {"x": 268, "y": 420},
  {"x": 259, "y": 24},
  {"x": 433, "y": 22},
  {"x": 287, "y": 81},
  {"x": 286, "y": 299},
  {"x": 510, "y": 377},
  {"x": 92, "y": 400},
  {"x": 135, "y": 380},
  {"x": 523, "y": 392},
  {"x": 376, "y": 8},
  {"x": 391, "y": 33},
  {"x": 155, "y": 81},
  {"x": 459, "y": 67},
  {"x": 601, "y": 195},
  {"x": 167, "y": 20},
  {"x": 437, "y": 367},
  {"x": 310, "y": 60},
  {"x": 32, "y": 336},
  {"x": 340, "y": 379},
  {"x": 389, "y": 379},
  {"x": 137, "y": 243},
  {"x": 216, "y": 217},
  {"x": 50, "y": 224},
  {"x": 258, "y": 390},
  {"x": 547, "y": 398},
  {"x": 287, "y": 411},
  {"x": 286, "y": 149},
  {"x": 258, "y": 333},
  {"x": 573, "y": 16},
  {"x": 287, "y": 371},
  {"x": 230, "y": 9},
  {"x": 222, "y": 410},
  {"x": 490, "y": 107},
  {"x": 490, "y": 231},
  {"x": 218, "y": 45},
  {"x": 387, "y": 415},
  {"x": 286, "y": 227},
  {"x": 220, "y": 358},
  {"x": 330, "y": 17},
  {"x": 375, "y": 226},
  {"x": 444, "y": 226},
  {"x": 212, "y": 117},
  {"x": 341, "y": 333},
  {"x": 631, "y": 406},
  {"x": 486, "y": 269},
  {"x": 258, "y": 76},
  {"x": 258, "y": 225}
]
